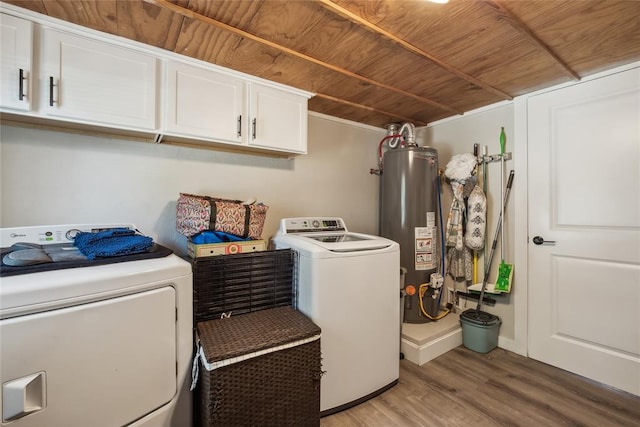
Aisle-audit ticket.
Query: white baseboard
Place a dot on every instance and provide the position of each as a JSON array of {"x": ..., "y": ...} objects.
[
  {"x": 432, "y": 349},
  {"x": 510, "y": 345}
]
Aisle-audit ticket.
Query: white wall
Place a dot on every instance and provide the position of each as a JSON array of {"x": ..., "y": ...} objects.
[
  {"x": 53, "y": 177},
  {"x": 455, "y": 136}
]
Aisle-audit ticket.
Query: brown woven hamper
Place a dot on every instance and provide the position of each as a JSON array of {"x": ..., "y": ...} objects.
[{"x": 262, "y": 369}]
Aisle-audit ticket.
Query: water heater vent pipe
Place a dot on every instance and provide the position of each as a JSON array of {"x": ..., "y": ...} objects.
[{"x": 408, "y": 130}]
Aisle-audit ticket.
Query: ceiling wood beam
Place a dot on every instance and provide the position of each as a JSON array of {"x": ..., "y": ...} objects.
[
  {"x": 331, "y": 6},
  {"x": 521, "y": 27},
  {"x": 368, "y": 108},
  {"x": 210, "y": 21}
]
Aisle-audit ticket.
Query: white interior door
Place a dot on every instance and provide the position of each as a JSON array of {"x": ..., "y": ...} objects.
[{"x": 584, "y": 195}]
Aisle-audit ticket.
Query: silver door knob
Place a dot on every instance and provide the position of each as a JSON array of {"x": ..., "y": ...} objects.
[{"x": 539, "y": 240}]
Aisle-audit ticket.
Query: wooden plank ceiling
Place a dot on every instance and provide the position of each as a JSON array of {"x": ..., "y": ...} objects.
[{"x": 378, "y": 62}]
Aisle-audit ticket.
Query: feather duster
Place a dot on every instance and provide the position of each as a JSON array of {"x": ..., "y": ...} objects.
[{"x": 460, "y": 167}]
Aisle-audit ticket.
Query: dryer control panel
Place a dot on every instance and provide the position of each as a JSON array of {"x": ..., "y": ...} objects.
[
  {"x": 50, "y": 234},
  {"x": 311, "y": 225}
]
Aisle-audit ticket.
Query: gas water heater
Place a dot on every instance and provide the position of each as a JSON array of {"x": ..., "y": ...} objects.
[{"x": 408, "y": 215}]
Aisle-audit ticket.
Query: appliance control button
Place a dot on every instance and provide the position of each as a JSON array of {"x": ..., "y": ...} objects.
[{"x": 71, "y": 234}]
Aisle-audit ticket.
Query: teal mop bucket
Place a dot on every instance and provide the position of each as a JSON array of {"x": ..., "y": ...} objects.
[{"x": 479, "y": 330}]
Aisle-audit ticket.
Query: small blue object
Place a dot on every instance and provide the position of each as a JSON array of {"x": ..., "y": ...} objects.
[
  {"x": 112, "y": 242},
  {"x": 207, "y": 237}
]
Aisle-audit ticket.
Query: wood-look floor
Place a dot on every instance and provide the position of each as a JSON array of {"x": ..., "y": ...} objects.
[{"x": 500, "y": 388}]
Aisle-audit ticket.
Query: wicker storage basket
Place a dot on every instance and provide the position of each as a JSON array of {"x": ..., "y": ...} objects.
[
  {"x": 242, "y": 283},
  {"x": 259, "y": 369}
]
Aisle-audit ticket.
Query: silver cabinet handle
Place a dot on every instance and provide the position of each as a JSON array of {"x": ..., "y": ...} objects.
[
  {"x": 21, "y": 79},
  {"x": 51, "y": 86},
  {"x": 253, "y": 127},
  {"x": 539, "y": 240},
  {"x": 239, "y": 125}
]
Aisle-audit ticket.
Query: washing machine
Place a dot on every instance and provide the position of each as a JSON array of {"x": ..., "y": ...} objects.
[
  {"x": 347, "y": 283},
  {"x": 94, "y": 343}
]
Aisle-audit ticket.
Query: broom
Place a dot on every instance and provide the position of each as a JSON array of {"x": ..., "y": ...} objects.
[{"x": 505, "y": 271}]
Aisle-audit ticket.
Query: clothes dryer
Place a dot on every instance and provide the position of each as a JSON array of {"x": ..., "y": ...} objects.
[{"x": 94, "y": 343}]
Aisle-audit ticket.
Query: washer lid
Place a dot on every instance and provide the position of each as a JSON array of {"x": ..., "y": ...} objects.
[
  {"x": 336, "y": 243},
  {"x": 347, "y": 242},
  {"x": 325, "y": 235}
]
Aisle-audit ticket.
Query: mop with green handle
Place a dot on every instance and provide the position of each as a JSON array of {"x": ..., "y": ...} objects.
[{"x": 505, "y": 271}]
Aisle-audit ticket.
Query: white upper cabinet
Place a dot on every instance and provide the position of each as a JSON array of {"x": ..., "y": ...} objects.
[
  {"x": 92, "y": 81},
  {"x": 64, "y": 75},
  {"x": 211, "y": 106},
  {"x": 204, "y": 104},
  {"x": 16, "y": 63},
  {"x": 278, "y": 119}
]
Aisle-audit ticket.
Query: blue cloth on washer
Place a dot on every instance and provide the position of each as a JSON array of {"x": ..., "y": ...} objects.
[
  {"x": 112, "y": 242},
  {"x": 206, "y": 237}
]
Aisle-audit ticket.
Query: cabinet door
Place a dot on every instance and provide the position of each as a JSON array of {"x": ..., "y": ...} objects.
[
  {"x": 278, "y": 120},
  {"x": 204, "y": 104},
  {"x": 92, "y": 81},
  {"x": 16, "y": 63}
]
